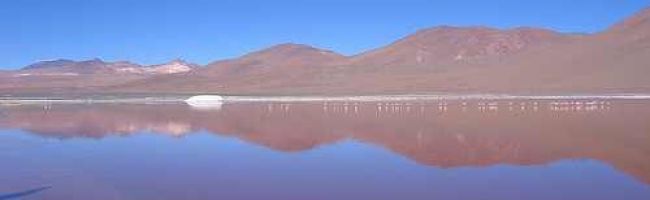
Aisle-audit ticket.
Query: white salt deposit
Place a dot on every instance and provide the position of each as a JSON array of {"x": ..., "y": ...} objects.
[{"x": 205, "y": 101}]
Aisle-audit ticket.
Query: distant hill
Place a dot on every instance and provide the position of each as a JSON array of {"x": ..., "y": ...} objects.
[{"x": 68, "y": 76}]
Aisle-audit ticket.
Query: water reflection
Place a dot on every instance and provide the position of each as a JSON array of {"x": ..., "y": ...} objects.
[{"x": 441, "y": 134}]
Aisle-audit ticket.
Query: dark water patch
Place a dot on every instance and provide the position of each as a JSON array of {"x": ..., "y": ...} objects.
[{"x": 17, "y": 195}]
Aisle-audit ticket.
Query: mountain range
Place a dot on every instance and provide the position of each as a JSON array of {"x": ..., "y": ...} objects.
[{"x": 440, "y": 59}]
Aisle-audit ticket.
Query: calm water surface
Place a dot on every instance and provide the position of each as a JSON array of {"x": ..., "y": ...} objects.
[{"x": 389, "y": 150}]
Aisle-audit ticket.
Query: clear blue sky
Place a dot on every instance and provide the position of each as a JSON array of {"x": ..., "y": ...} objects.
[{"x": 201, "y": 31}]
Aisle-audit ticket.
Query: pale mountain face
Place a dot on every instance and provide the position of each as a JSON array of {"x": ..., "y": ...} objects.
[{"x": 174, "y": 67}]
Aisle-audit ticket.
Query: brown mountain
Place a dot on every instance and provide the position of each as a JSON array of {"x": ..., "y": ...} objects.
[
  {"x": 278, "y": 63},
  {"x": 442, "y": 59},
  {"x": 446, "y": 45},
  {"x": 284, "y": 56}
]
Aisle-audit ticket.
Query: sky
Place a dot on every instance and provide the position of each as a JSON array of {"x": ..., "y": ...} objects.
[{"x": 203, "y": 31}]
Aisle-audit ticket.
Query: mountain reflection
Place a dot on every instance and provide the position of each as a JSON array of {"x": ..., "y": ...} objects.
[{"x": 441, "y": 134}]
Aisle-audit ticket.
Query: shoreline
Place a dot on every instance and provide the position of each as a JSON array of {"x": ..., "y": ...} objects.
[
  {"x": 375, "y": 98},
  {"x": 298, "y": 99}
]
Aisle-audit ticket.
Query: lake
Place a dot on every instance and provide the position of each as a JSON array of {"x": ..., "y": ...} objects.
[{"x": 550, "y": 149}]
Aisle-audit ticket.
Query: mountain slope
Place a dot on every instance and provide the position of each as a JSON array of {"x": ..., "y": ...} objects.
[
  {"x": 446, "y": 45},
  {"x": 276, "y": 58}
]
